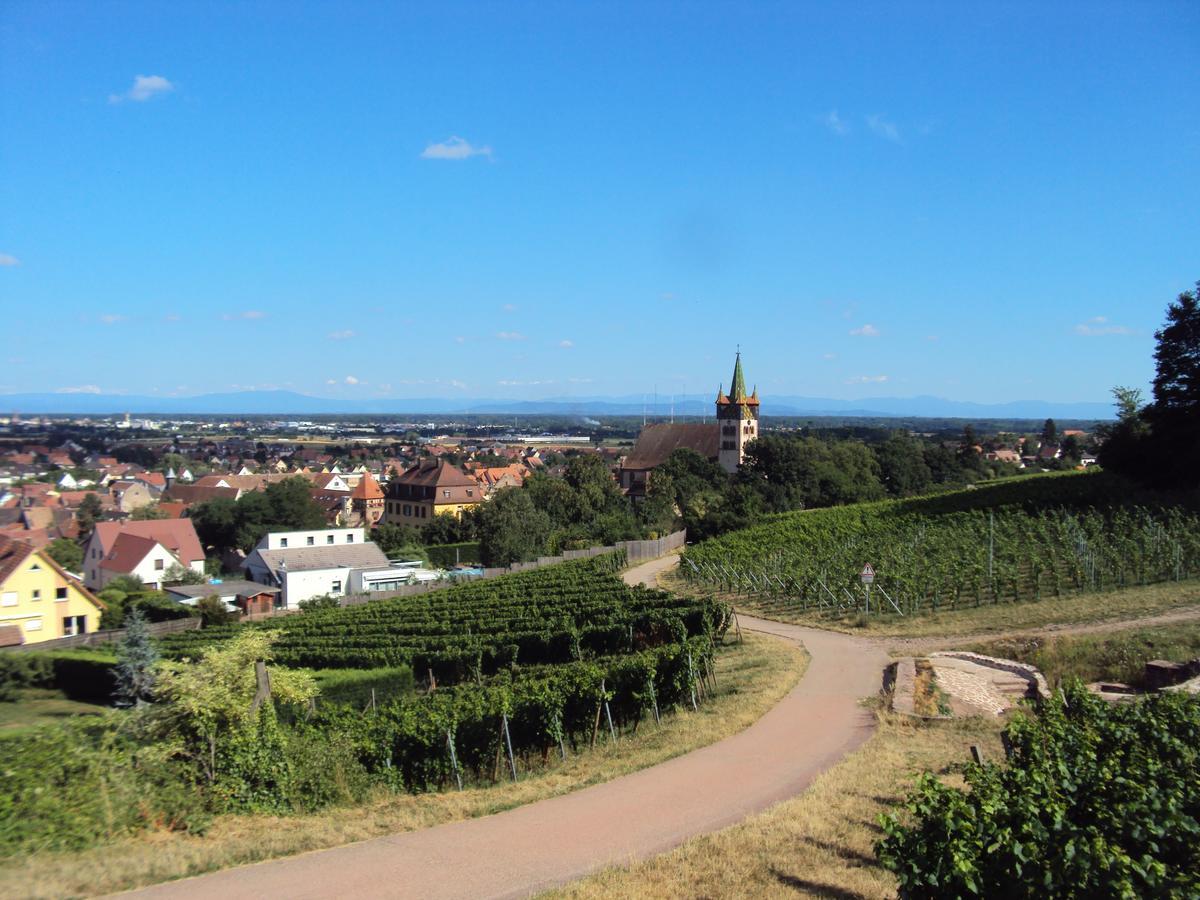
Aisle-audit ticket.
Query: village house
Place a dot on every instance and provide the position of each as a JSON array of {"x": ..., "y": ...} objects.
[
  {"x": 433, "y": 488},
  {"x": 153, "y": 546},
  {"x": 39, "y": 601},
  {"x": 306, "y": 564}
]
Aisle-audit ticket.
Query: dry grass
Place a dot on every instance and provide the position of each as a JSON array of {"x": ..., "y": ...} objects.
[
  {"x": 752, "y": 678},
  {"x": 1131, "y": 603},
  {"x": 818, "y": 845}
]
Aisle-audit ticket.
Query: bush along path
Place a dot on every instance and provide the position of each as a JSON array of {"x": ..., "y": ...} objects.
[{"x": 554, "y": 841}]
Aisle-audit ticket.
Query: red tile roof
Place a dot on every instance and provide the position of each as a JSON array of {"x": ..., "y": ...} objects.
[
  {"x": 127, "y": 552},
  {"x": 177, "y": 535},
  {"x": 367, "y": 489}
]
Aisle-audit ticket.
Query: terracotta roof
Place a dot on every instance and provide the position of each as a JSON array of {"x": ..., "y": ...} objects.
[
  {"x": 199, "y": 493},
  {"x": 657, "y": 442},
  {"x": 173, "y": 510},
  {"x": 127, "y": 551},
  {"x": 439, "y": 475},
  {"x": 12, "y": 554},
  {"x": 155, "y": 478},
  {"x": 367, "y": 489},
  {"x": 177, "y": 535}
]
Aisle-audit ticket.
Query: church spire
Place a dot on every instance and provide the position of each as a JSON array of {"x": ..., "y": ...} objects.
[{"x": 737, "y": 390}]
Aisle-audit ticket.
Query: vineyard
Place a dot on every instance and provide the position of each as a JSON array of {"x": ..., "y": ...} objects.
[
  {"x": 518, "y": 667},
  {"x": 1008, "y": 543}
]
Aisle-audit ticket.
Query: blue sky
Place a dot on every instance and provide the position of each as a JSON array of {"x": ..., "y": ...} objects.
[{"x": 983, "y": 202}]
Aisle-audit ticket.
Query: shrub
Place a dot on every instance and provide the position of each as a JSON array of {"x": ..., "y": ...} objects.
[
  {"x": 158, "y": 607},
  {"x": 1096, "y": 801}
]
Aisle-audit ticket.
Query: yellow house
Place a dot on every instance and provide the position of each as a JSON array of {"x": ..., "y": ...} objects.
[
  {"x": 428, "y": 490},
  {"x": 39, "y": 599}
]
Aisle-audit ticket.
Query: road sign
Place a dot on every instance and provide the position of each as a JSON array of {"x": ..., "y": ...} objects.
[{"x": 867, "y": 574}]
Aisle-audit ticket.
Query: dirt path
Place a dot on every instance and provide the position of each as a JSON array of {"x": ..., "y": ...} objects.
[{"x": 543, "y": 844}]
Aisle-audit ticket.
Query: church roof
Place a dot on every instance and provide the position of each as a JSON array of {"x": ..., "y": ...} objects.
[
  {"x": 657, "y": 442},
  {"x": 737, "y": 389}
]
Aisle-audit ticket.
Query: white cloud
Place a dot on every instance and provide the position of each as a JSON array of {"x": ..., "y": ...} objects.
[
  {"x": 883, "y": 128},
  {"x": 867, "y": 330},
  {"x": 509, "y": 383},
  {"x": 1099, "y": 325},
  {"x": 111, "y": 318},
  {"x": 350, "y": 379},
  {"x": 341, "y": 335},
  {"x": 566, "y": 345},
  {"x": 246, "y": 314},
  {"x": 455, "y": 383},
  {"x": 459, "y": 339},
  {"x": 80, "y": 389},
  {"x": 581, "y": 380},
  {"x": 829, "y": 356},
  {"x": 836, "y": 123},
  {"x": 144, "y": 87},
  {"x": 455, "y": 148},
  {"x": 510, "y": 336},
  {"x": 8, "y": 260},
  {"x": 331, "y": 381},
  {"x": 867, "y": 379}
]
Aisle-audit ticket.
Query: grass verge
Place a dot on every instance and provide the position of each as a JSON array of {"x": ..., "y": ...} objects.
[
  {"x": 819, "y": 844},
  {"x": 752, "y": 678},
  {"x": 1112, "y": 656},
  {"x": 35, "y": 707},
  {"x": 1077, "y": 609}
]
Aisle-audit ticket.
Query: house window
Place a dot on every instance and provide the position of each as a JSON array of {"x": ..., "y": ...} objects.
[
  {"x": 159, "y": 565},
  {"x": 8, "y": 598},
  {"x": 35, "y": 568},
  {"x": 74, "y": 625},
  {"x": 470, "y": 492},
  {"x": 446, "y": 494},
  {"x": 60, "y": 593},
  {"x": 37, "y": 595},
  {"x": 283, "y": 543},
  {"x": 311, "y": 540},
  {"x": 329, "y": 539},
  {"x": 336, "y": 588},
  {"x": 349, "y": 539},
  {"x": 33, "y": 625}
]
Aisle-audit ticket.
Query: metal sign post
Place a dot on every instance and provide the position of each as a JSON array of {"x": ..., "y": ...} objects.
[{"x": 867, "y": 576}]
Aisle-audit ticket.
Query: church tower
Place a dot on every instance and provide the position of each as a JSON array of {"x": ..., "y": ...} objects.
[{"x": 737, "y": 419}]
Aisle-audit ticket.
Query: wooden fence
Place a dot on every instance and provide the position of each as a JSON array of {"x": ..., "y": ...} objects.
[{"x": 112, "y": 636}]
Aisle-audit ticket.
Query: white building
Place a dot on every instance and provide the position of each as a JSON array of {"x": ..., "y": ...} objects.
[{"x": 309, "y": 564}]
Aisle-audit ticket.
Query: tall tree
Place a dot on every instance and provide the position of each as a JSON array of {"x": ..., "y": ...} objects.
[
  {"x": 1174, "y": 415},
  {"x": 1049, "y": 432},
  {"x": 66, "y": 553},
  {"x": 136, "y": 659},
  {"x": 511, "y": 528},
  {"x": 88, "y": 514}
]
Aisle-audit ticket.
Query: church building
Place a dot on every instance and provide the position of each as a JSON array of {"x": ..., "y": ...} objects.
[{"x": 725, "y": 442}]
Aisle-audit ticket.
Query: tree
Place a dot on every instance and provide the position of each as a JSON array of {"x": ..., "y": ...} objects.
[
  {"x": 511, "y": 528},
  {"x": 391, "y": 538},
  {"x": 89, "y": 512},
  {"x": 1174, "y": 416},
  {"x": 1049, "y": 432},
  {"x": 136, "y": 659},
  {"x": 177, "y": 574},
  {"x": 208, "y": 708},
  {"x": 902, "y": 467},
  {"x": 213, "y": 612},
  {"x": 324, "y": 601},
  {"x": 66, "y": 553},
  {"x": 1124, "y": 444},
  {"x": 1071, "y": 451},
  {"x": 128, "y": 584},
  {"x": 149, "y": 511}
]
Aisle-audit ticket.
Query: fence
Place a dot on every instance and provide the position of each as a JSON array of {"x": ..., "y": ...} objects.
[
  {"x": 636, "y": 552},
  {"x": 105, "y": 637}
]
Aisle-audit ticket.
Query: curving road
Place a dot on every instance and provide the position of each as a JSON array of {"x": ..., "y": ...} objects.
[{"x": 543, "y": 844}]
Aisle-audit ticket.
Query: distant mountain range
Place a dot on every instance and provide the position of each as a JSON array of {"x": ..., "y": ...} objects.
[{"x": 289, "y": 403}]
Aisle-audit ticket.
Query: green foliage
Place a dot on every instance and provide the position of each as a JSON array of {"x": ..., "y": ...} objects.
[
  {"x": 1022, "y": 540},
  {"x": 355, "y": 686},
  {"x": 136, "y": 659},
  {"x": 391, "y": 538},
  {"x": 23, "y": 670},
  {"x": 90, "y": 511},
  {"x": 511, "y": 528},
  {"x": 213, "y": 612},
  {"x": 177, "y": 574},
  {"x": 149, "y": 511},
  {"x": 113, "y": 614},
  {"x": 284, "y": 506},
  {"x": 157, "y": 606},
  {"x": 797, "y": 473},
  {"x": 66, "y": 553},
  {"x": 1097, "y": 800},
  {"x": 128, "y": 584},
  {"x": 446, "y": 556},
  {"x": 323, "y": 601}
]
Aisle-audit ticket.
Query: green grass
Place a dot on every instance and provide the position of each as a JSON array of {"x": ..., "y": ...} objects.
[
  {"x": 1113, "y": 656},
  {"x": 35, "y": 707}
]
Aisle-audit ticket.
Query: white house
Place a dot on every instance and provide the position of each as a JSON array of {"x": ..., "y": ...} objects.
[
  {"x": 309, "y": 564},
  {"x": 177, "y": 537}
]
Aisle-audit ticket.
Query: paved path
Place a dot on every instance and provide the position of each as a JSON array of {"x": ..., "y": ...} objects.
[{"x": 543, "y": 844}]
